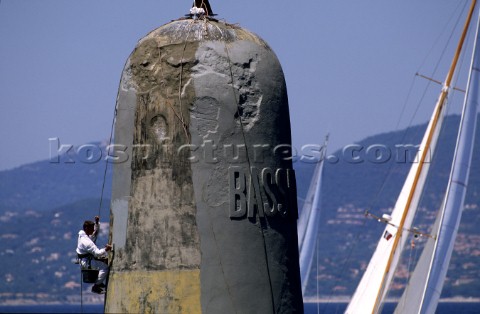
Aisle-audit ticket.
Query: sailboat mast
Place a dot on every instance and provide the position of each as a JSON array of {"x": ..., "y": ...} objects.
[
  {"x": 372, "y": 288},
  {"x": 436, "y": 117},
  {"x": 438, "y": 110},
  {"x": 439, "y": 252},
  {"x": 448, "y": 80}
]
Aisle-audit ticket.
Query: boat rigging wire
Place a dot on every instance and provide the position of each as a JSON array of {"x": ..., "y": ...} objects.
[
  {"x": 443, "y": 31},
  {"x": 428, "y": 140},
  {"x": 443, "y": 130},
  {"x": 411, "y": 230},
  {"x": 437, "y": 64},
  {"x": 417, "y": 107},
  {"x": 427, "y": 56},
  {"x": 375, "y": 199},
  {"x": 438, "y": 82},
  {"x": 420, "y": 101},
  {"x": 411, "y": 261}
]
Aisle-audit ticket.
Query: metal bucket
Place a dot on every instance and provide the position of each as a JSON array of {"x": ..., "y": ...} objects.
[{"x": 89, "y": 275}]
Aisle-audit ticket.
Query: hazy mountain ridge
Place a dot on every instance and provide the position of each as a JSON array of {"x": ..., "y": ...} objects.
[
  {"x": 43, "y": 205},
  {"x": 47, "y": 184},
  {"x": 347, "y": 239},
  {"x": 37, "y": 249}
]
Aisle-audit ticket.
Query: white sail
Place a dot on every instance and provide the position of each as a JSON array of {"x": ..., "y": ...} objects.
[
  {"x": 308, "y": 222},
  {"x": 371, "y": 292},
  {"x": 412, "y": 296},
  {"x": 307, "y": 206},
  {"x": 426, "y": 283}
]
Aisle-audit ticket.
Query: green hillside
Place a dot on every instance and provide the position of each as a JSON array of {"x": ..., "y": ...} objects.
[
  {"x": 347, "y": 238},
  {"x": 43, "y": 205}
]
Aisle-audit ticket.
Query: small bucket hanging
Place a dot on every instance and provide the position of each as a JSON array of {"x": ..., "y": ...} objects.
[{"x": 89, "y": 275}]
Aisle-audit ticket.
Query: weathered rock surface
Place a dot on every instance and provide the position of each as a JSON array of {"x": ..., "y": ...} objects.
[{"x": 204, "y": 209}]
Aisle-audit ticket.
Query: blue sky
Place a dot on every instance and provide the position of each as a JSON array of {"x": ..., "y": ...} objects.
[{"x": 348, "y": 64}]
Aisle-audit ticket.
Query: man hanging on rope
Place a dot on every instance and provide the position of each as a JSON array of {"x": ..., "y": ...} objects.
[
  {"x": 96, "y": 230},
  {"x": 90, "y": 255}
]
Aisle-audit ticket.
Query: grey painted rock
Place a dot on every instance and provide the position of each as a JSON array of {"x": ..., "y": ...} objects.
[{"x": 203, "y": 214}]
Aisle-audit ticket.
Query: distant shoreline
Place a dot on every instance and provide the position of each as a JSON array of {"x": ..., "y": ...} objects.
[
  {"x": 339, "y": 299},
  {"x": 346, "y": 299}
]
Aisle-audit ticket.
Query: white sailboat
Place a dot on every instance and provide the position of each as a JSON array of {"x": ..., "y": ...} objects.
[
  {"x": 307, "y": 226},
  {"x": 426, "y": 282},
  {"x": 423, "y": 292}
]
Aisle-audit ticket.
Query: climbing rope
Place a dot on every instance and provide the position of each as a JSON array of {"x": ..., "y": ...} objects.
[{"x": 106, "y": 160}]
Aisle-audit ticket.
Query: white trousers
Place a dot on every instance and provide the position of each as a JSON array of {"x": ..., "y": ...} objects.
[{"x": 101, "y": 266}]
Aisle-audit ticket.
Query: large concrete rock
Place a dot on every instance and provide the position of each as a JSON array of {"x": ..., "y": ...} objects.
[{"x": 204, "y": 209}]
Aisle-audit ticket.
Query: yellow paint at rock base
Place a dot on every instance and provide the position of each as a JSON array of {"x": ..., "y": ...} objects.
[{"x": 171, "y": 291}]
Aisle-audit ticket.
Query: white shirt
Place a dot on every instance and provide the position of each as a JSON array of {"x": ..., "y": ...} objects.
[{"x": 85, "y": 245}]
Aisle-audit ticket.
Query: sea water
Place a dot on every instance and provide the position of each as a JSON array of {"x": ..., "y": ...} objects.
[
  {"x": 57, "y": 308},
  {"x": 310, "y": 308}
]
